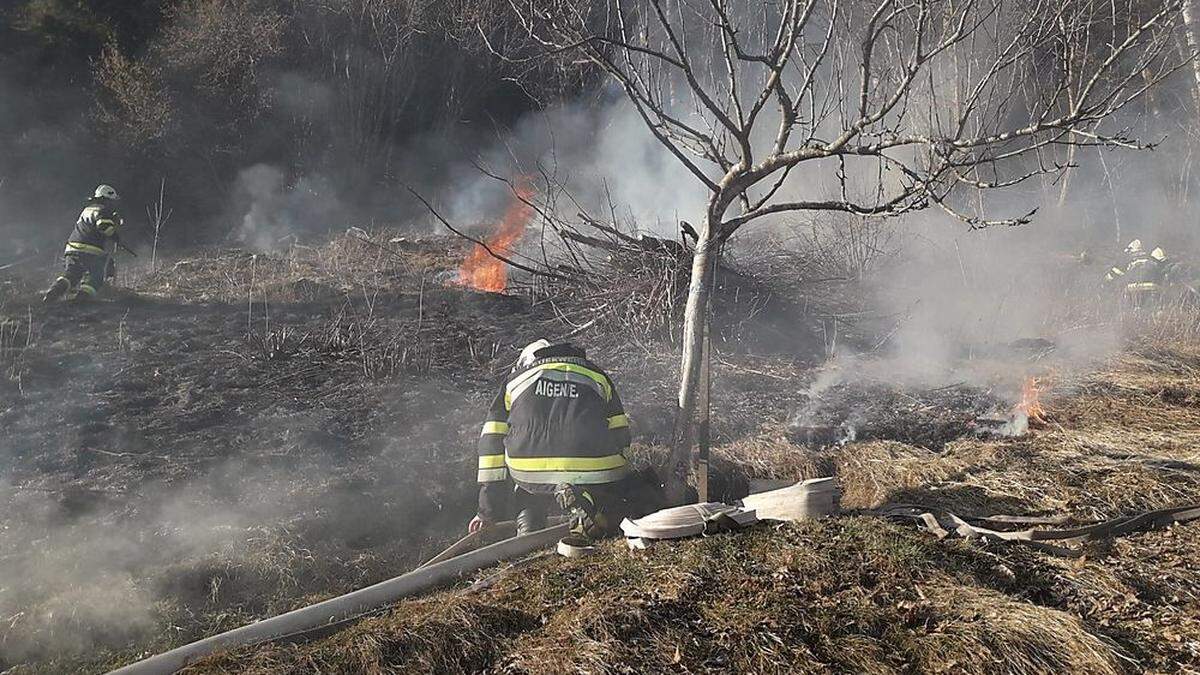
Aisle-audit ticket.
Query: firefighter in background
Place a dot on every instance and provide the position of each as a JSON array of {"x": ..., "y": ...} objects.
[
  {"x": 87, "y": 260},
  {"x": 556, "y": 433},
  {"x": 1143, "y": 276}
]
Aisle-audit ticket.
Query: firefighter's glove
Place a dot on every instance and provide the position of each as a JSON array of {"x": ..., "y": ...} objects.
[{"x": 586, "y": 519}]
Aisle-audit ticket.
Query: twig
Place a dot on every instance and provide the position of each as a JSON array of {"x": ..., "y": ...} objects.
[
  {"x": 124, "y": 455},
  {"x": 21, "y": 261},
  {"x": 160, "y": 218}
]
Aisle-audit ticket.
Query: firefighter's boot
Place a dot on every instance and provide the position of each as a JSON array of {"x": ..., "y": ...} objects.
[
  {"x": 86, "y": 291},
  {"x": 58, "y": 289}
]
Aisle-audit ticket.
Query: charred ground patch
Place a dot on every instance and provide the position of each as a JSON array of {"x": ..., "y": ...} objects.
[{"x": 234, "y": 435}]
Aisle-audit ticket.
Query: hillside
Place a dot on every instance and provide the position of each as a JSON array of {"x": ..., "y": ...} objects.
[
  {"x": 231, "y": 436},
  {"x": 859, "y": 593}
]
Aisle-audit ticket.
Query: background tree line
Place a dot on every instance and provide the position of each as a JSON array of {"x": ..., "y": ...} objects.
[{"x": 198, "y": 90}]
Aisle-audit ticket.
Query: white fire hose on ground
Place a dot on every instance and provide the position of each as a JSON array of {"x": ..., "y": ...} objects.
[
  {"x": 807, "y": 499},
  {"x": 351, "y": 605}
]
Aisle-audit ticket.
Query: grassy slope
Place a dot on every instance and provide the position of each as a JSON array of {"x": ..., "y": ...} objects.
[
  {"x": 326, "y": 444},
  {"x": 176, "y": 463},
  {"x": 241, "y": 435},
  {"x": 856, "y": 593}
]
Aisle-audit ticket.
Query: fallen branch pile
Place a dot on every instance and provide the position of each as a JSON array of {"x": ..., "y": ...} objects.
[{"x": 633, "y": 290}]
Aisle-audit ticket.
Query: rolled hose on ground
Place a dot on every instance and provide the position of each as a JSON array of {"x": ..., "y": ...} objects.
[{"x": 350, "y": 605}]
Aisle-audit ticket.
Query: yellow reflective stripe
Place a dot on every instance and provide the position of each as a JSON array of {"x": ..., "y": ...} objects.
[
  {"x": 587, "y": 372},
  {"x": 86, "y": 288},
  {"x": 618, "y": 421},
  {"x": 494, "y": 428},
  {"x": 492, "y": 475},
  {"x": 78, "y": 247},
  {"x": 491, "y": 461},
  {"x": 571, "y": 477},
  {"x": 566, "y": 463},
  {"x": 511, "y": 390}
]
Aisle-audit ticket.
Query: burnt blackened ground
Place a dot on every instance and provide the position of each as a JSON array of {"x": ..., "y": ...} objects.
[
  {"x": 875, "y": 410},
  {"x": 233, "y": 436},
  {"x": 236, "y": 435},
  {"x": 205, "y": 460}
]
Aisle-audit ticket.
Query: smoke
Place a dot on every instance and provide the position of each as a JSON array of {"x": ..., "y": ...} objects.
[
  {"x": 89, "y": 567},
  {"x": 68, "y": 580},
  {"x": 951, "y": 299},
  {"x": 596, "y": 157},
  {"x": 947, "y": 302},
  {"x": 611, "y": 159},
  {"x": 277, "y": 211},
  {"x": 43, "y": 156},
  {"x": 944, "y": 295},
  {"x": 62, "y": 586}
]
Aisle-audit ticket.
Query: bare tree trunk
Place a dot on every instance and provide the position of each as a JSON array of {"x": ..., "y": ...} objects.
[
  {"x": 1066, "y": 179},
  {"x": 1191, "y": 20},
  {"x": 694, "y": 320},
  {"x": 856, "y": 69}
]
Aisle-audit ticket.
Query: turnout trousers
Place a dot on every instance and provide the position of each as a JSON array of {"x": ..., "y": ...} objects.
[{"x": 85, "y": 272}]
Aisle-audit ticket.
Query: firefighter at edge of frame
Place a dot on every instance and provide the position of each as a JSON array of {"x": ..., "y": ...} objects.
[
  {"x": 1143, "y": 275},
  {"x": 556, "y": 433},
  {"x": 88, "y": 258}
]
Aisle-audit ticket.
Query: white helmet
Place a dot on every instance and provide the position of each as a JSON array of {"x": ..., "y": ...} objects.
[
  {"x": 1158, "y": 254},
  {"x": 528, "y": 355},
  {"x": 1134, "y": 246},
  {"x": 106, "y": 192}
]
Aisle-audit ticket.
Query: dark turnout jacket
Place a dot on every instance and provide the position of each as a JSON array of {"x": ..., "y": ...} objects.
[
  {"x": 97, "y": 226},
  {"x": 1144, "y": 269},
  {"x": 558, "y": 421}
]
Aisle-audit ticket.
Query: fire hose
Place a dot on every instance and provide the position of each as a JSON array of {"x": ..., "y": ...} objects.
[
  {"x": 944, "y": 524},
  {"x": 351, "y": 605},
  {"x": 19, "y": 261},
  {"x": 458, "y": 560}
]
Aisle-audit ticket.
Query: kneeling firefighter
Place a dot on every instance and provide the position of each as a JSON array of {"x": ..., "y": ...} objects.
[
  {"x": 88, "y": 258},
  {"x": 556, "y": 432}
]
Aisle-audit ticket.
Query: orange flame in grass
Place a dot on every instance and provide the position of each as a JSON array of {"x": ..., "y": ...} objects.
[
  {"x": 481, "y": 270},
  {"x": 1030, "y": 404}
]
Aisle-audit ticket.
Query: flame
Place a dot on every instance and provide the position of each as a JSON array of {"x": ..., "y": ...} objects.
[
  {"x": 1030, "y": 404},
  {"x": 484, "y": 272}
]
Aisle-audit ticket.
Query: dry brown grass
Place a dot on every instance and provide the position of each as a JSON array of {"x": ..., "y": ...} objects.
[
  {"x": 858, "y": 594},
  {"x": 1120, "y": 439},
  {"x": 357, "y": 263},
  {"x": 976, "y": 626},
  {"x": 851, "y": 595}
]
